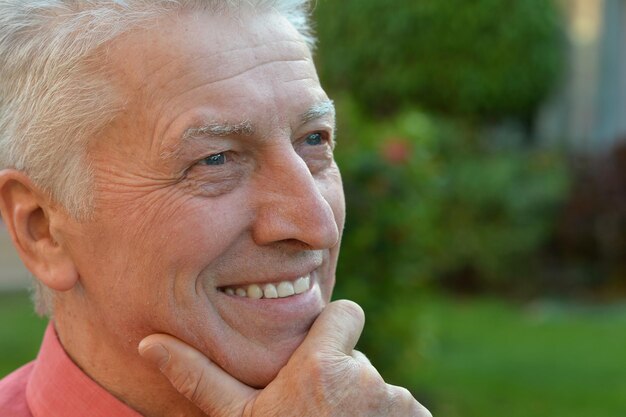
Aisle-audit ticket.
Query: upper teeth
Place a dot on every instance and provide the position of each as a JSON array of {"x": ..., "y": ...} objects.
[{"x": 280, "y": 290}]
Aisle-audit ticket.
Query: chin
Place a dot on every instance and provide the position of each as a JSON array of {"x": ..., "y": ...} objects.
[{"x": 260, "y": 371}]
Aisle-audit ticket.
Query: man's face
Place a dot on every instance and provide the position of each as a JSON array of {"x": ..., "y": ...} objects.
[{"x": 217, "y": 179}]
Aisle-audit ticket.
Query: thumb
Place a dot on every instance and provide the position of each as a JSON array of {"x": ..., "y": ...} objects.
[
  {"x": 337, "y": 329},
  {"x": 192, "y": 374}
]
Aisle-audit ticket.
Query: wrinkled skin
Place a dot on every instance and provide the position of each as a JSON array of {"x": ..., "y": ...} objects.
[
  {"x": 183, "y": 212},
  {"x": 325, "y": 377},
  {"x": 170, "y": 229}
]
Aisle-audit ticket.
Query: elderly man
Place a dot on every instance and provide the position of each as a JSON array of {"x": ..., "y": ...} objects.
[{"x": 168, "y": 178}]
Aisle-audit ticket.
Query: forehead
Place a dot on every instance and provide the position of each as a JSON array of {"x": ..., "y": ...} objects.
[
  {"x": 200, "y": 63},
  {"x": 176, "y": 44}
]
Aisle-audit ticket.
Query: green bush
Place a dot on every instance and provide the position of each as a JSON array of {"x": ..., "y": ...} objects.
[
  {"x": 482, "y": 58},
  {"x": 427, "y": 200}
]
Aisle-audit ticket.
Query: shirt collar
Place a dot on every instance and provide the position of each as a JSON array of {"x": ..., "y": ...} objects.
[{"x": 58, "y": 388}]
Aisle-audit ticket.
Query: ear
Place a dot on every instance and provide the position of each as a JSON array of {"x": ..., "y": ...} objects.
[{"x": 27, "y": 212}]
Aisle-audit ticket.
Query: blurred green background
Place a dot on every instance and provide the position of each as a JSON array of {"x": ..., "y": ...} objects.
[{"x": 483, "y": 150}]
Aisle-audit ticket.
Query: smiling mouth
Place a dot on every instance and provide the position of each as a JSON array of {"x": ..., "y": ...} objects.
[{"x": 281, "y": 289}]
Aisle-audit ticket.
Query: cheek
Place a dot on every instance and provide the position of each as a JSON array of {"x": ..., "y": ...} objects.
[{"x": 164, "y": 246}]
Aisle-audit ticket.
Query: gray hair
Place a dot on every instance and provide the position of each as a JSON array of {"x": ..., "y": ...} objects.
[{"x": 54, "y": 97}]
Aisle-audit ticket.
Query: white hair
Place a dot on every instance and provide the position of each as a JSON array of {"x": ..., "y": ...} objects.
[{"x": 54, "y": 97}]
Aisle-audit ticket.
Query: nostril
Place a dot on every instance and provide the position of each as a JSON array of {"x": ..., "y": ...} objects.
[{"x": 296, "y": 244}]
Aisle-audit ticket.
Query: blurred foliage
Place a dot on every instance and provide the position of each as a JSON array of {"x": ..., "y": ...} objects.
[
  {"x": 483, "y": 58},
  {"x": 429, "y": 200},
  {"x": 430, "y": 197},
  {"x": 588, "y": 252}
]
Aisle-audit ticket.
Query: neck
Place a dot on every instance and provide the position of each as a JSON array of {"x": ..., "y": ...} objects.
[{"x": 113, "y": 362}]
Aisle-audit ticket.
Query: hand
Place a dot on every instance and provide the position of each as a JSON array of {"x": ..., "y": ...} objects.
[{"x": 324, "y": 377}]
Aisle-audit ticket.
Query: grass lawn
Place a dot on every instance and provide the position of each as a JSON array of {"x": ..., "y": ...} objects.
[
  {"x": 489, "y": 359},
  {"x": 20, "y": 331},
  {"x": 483, "y": 358}
]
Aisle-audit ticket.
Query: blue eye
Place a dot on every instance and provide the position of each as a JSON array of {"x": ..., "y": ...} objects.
[
  {"x": 314, "y": 139},
  {"x": 217, "y": 159}
]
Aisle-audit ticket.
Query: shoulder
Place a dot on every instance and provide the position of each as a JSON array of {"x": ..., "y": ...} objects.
[{"x": 13, "y": 393}]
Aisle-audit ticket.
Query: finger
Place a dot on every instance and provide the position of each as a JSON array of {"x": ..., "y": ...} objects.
[
  {"x": 367, "y": 367},
  {"x": 338, "y": 328},
  {"x": 360, "y": 357},
  {"x": 404, "y": 405},
  {"x": 192, "y": 374}
]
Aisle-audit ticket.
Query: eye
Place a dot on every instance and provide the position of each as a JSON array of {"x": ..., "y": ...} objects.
[
  {"x": 314, "y": 139},
  {"x": 216, "y": 159}
]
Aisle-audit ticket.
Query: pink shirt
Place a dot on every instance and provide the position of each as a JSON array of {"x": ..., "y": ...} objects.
[{"x": 53, "y": 386}]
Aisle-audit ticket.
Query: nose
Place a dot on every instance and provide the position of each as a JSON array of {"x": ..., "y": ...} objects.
[{"x": 290, "y": 205}]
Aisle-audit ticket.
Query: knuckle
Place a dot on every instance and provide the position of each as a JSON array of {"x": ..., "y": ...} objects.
[
  {"x": 322, "y": 368},
  {"x": 317, "y": 361},
  {"x": 422, "y": 411},
  {"x": 360, "y": 357},
  {"x": 402, "y": 394},
  {"x": 401, "y": 399},
  {"x": 323, "y": 362},
  {"x": 371, "y": 378}
]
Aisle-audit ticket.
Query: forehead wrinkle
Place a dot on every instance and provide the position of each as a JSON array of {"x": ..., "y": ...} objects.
[
  {"x": 222, "y": 56},
  {"x": 204, "y": 83},
  {"x": 258, "y": 66},
  {"x": 318, "y": 111}
]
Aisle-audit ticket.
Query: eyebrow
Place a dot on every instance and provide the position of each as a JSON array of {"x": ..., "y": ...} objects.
[
  {"x": 318, "y": 111},
  {"x": 246, "y": 128}
]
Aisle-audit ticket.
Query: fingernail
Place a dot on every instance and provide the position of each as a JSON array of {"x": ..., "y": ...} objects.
[{"x": 156, "y": 353}]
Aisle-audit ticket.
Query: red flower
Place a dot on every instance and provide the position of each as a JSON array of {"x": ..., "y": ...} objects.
[{"x": 396, "y": 151}]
